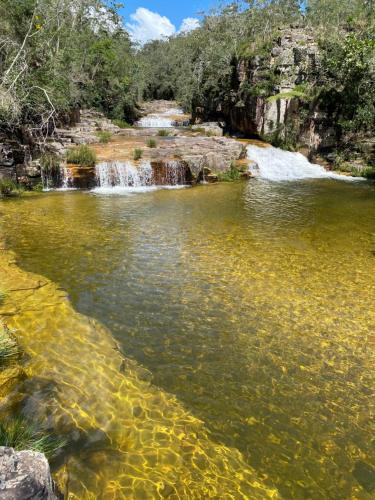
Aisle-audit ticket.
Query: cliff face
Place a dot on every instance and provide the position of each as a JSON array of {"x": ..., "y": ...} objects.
[{"x": 268, "y": 96}]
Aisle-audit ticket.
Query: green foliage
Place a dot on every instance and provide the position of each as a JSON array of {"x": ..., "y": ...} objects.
[
  {"x": 81, "y": 155},
  {"x": 121, "y": 123},
  {"x": 50, "y": 167},
  {"x": 163, "y": 133},
  {"x": 137, "y": 154},
  {"x": 104, "y": 136},
  {"x": 299, "y": 91},
  {"x": 9, "y": 349},
  {"x": 56, "y": 54},
  {"x": 9, "y": 188},
  {"x": 21, "y": 434},
  {"x": 369, "y": 173},
  {"x": 38, "y": 187},
  {"x": 151, "y": 143},
  {"x": 349, "y": 81},
  {"x": 233, "y": 174}
]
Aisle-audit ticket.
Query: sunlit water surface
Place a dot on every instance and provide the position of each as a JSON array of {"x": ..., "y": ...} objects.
[{"x": 252, "y": 303}]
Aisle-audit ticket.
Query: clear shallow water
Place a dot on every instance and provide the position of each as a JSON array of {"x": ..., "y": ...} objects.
[{"x": 251, "y": 302}]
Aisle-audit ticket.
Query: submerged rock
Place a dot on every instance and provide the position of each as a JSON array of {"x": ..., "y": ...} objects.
[{"x": 25, "y": 474}]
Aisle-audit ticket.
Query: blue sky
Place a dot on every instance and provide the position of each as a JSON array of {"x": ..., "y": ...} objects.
[
  {"x": 149, "y": 20},
  {"x": 176, "y": 10}
]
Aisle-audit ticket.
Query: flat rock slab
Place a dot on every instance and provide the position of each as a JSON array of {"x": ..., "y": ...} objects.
[{"x": 215, "y": 153}]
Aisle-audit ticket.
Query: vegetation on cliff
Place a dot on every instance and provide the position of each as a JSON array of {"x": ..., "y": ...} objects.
[{"x": 227, "y": 64}]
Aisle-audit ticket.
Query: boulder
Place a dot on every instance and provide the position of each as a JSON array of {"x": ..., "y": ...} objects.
[
  {"x": 210, "y": 128},
  {"x": 25, "y": 475}
]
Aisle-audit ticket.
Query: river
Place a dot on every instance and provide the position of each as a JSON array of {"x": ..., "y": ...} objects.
[{"x": 251, "y": 303}]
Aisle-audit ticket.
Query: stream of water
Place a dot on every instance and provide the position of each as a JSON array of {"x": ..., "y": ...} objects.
[{"x": 250, "y": 303}]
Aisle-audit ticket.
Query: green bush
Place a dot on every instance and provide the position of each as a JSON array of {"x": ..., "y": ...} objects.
[
  {"x": 151, "y": 143},
  {"x": 104, "y": 136},
  {"x": 369, "y": 173},
  {"x": 231, "y": 175},
  {"x": 9, "y": 348},
  {"x": 163, "y": 133},
  {"x": 81, "y": 155},
  {"x": 138, "y": 153},
  {"x": 38, "y": 187},
  {"x": 9, "y": 188},
  {"x": 121, "y": 123},
  {"x": 50, "y": 169},
  {"x": 20, "y": 434}
]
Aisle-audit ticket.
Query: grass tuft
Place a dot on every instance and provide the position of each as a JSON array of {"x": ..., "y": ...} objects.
[
  {"x": 104, "y": 136},
  {"x": 151, "y": 143},
  {"x": 231, "y": 175},
  {"x": 163, "y": 133},
  {"x": 20, "y": 434},
  {"x": 9, "y": 188},
  {"x": 138, "y": 153},
  {"x": 121, "y": 123},
  {"x": 81, "y": 155},
  {"x": 9, "y": 349}
]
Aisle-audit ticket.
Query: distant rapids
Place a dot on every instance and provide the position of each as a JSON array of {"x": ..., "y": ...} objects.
[{"x": 162, "y": 120}]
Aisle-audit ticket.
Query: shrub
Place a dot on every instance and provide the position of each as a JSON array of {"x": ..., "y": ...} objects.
[
  {"x": 38, "y": 187},
  {"x": 104, "y": 136},
  {"x": 50, "y": 169},
  {"x": 121, "y": 123},
  {"x": 50, "y": 163},
  {"x": 369, "y": 173},
  {"x": 231, "y": 175},
  {"x": 138, "y": 153},
  {"x": 9, "y": 188},
  {"x": 20, "y": 434},
  {"x": 163, "y": 133},
  {"x": 9, "y": 348},
  {"x": 151, "y": 143},
  {"x": 81, "y": 155}
]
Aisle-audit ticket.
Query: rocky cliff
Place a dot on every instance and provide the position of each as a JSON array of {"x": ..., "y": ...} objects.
[{"x": 271, "y": 97}]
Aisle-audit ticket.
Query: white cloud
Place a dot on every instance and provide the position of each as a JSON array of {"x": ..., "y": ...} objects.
[
  {"x": 148, "y": 26},
  {"x": 189, "y": 24}
]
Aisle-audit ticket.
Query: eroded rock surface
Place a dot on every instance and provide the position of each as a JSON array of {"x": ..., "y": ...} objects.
[{"x": 25, "y": 475}]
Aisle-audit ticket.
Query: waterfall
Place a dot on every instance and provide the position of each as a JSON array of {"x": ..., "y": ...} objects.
[
  {"x": 125, "y": 177},
  {"x": 66, "y": 178},
  {"x": 162, "y": 120},
  {"x": 154, "y": 121},
  {"x": 278, "y": 165}
]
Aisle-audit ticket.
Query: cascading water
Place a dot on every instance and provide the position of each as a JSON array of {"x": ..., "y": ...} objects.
[
  {"x": 66, "y": 178},
  {"x": 278, "y": 165},
  {"x": 162, "y": 120},
  {"x": 124, "y": 177}
]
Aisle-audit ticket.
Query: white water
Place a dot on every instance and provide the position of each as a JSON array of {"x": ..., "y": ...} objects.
[
  {"x": 278, "y": 165},
  {"x": 66, "y": 178},
  {"x": 123, "y": 177},
  {"x": 162, "y": 120}
]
